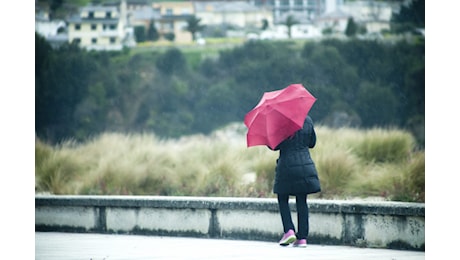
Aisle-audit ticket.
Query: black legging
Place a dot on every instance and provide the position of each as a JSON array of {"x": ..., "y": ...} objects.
[{"x": 302, "y": 214}]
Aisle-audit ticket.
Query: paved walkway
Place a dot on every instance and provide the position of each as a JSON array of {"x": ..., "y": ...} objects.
[{"x": 66, "y": 246}]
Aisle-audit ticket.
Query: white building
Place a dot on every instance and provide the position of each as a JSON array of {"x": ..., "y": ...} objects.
[
  {"x": 238, "y": 14},
  {"x": 46, "y": 27},
  {"x": 298, "y": 31},
  {"x": 101, "y": 28},
  {"x": 54, "y": 31},
  {"x": 374, "y": 15},
  {"x": 304, "y": 10}
]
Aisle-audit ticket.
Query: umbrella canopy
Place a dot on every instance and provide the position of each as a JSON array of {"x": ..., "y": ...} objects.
[{"x": 278, "y": 115}]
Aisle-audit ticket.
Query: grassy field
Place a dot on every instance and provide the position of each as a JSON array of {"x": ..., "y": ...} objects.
[
  {"x": 196, "y": 53},
  {"x": 378, "y": 163}
]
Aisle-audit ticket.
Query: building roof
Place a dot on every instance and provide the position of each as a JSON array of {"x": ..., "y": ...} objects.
[
  {"x": 128, "y": 2},
  {"x": 98, "y": 8},
  {"x": 146, "y": 13},
  {"x": 168, "y": 18},
  {"x": 77, "y": 19},
  {"x": 221, "y": 7},
  {"x": 337, "y": 14}
]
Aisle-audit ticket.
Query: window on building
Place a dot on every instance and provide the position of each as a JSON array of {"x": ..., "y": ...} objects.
[
  {"x": 169, "y": 26},
  {"x": 93, "y": 40},
  {"x": 284, "y": 12},
  {"x": 113, "y": 27},
  {"x": 266, "y": 2},
  {"x": 93, "y": 27},
  {"x": 169, "y": 11},
  {"x": 113, "y": 40},
  {"x": 108, "y": 15},
  {"x": 76, "y": 40},
  {"x": 77, "y": 27},
  {"x": 298, "y": 3},
  {"x": 284, "y": 3},
  {"x": 91, "y": 15}
]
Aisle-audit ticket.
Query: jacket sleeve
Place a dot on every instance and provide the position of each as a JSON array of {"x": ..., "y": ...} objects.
[
  {"x": 312, "y": 142},
  {"x": 311, "y": 132}
]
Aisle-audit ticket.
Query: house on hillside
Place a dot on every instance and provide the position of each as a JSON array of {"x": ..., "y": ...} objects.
[
  {"x": 233, "y": 14},
  {"x": 298, "y": 31},
  {"x": 98, "y": 27},
  {"x": 132, "y": 6},
  {"x": 311, "y": 17},
  {"x": 46, "y": 27},
  {"x": 143, "y": 16},
  {"x": 54, "y": 31},
  {"x": 336, "y": 21},
  {"x": 304, "y": 10},
  {"x": 173, "y": 20},
  {"x": 374, "y": 15}
]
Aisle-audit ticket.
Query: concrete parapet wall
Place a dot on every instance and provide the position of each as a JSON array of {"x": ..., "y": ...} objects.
[{"x": 395, "y": 225}]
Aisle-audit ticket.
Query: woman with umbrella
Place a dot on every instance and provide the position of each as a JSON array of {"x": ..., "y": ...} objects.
[
  {"x": 296, "y": 175},
  {"x": 281, "y": 122}
]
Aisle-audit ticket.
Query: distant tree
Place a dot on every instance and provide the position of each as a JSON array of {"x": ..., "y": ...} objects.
[
  {"x": 370, "y": 98},
  {"x": 61, "y": 9},
  {"x": 172, "y": 61},
  {"x": 327, "y": 31},
  {"x": 362, "y": 29},
  {"x": 352, "y": 28},
  {"x": 61, "y": 84},
  {"x": 409, "y": 17},
  {"x": 42, "y": 50},
  {"x": 170, "y": 36},
  {"x": 152, "y": 33},
  {"x": 139, "y": 33},
  {"x": 54, "y": 6},
  {"x": 264, "y": 24},
  {"x": 194, "y": 26},
  {"x": 290, "y": 21}
]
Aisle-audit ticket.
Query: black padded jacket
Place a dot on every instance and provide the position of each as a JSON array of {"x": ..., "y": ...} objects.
[{"x": 295, "y": 169}]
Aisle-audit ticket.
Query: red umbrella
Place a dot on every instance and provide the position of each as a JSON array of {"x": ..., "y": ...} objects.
[{"x": 278, "y": 115}]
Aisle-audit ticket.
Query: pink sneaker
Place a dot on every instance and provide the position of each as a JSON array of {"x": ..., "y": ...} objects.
[
  {"x": 288, "y": 238},
  {"x": 300, "y": 243}
]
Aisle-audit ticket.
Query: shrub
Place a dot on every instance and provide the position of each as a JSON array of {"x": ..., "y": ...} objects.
[
  {"x": 56, "y": 170},
  {"x": 379, "y": 145},
  {"x": 411, "y": 185},
  {"x": 261, "y": 161},
  {"x": 350, "y": 162},
  {"x": 336, "y": 170},
  {"x": 169, "y": 36}
]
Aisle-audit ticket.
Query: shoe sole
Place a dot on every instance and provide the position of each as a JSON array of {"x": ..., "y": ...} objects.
[
  {"x": 288, "y": 241},
  {"x": 302, "y": 246}
]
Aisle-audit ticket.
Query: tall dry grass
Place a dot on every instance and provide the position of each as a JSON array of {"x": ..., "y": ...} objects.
[{"x": 351, "y": 163}]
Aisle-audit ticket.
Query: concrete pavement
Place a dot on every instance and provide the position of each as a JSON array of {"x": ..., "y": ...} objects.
[{"x": 89, "y": 246}]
